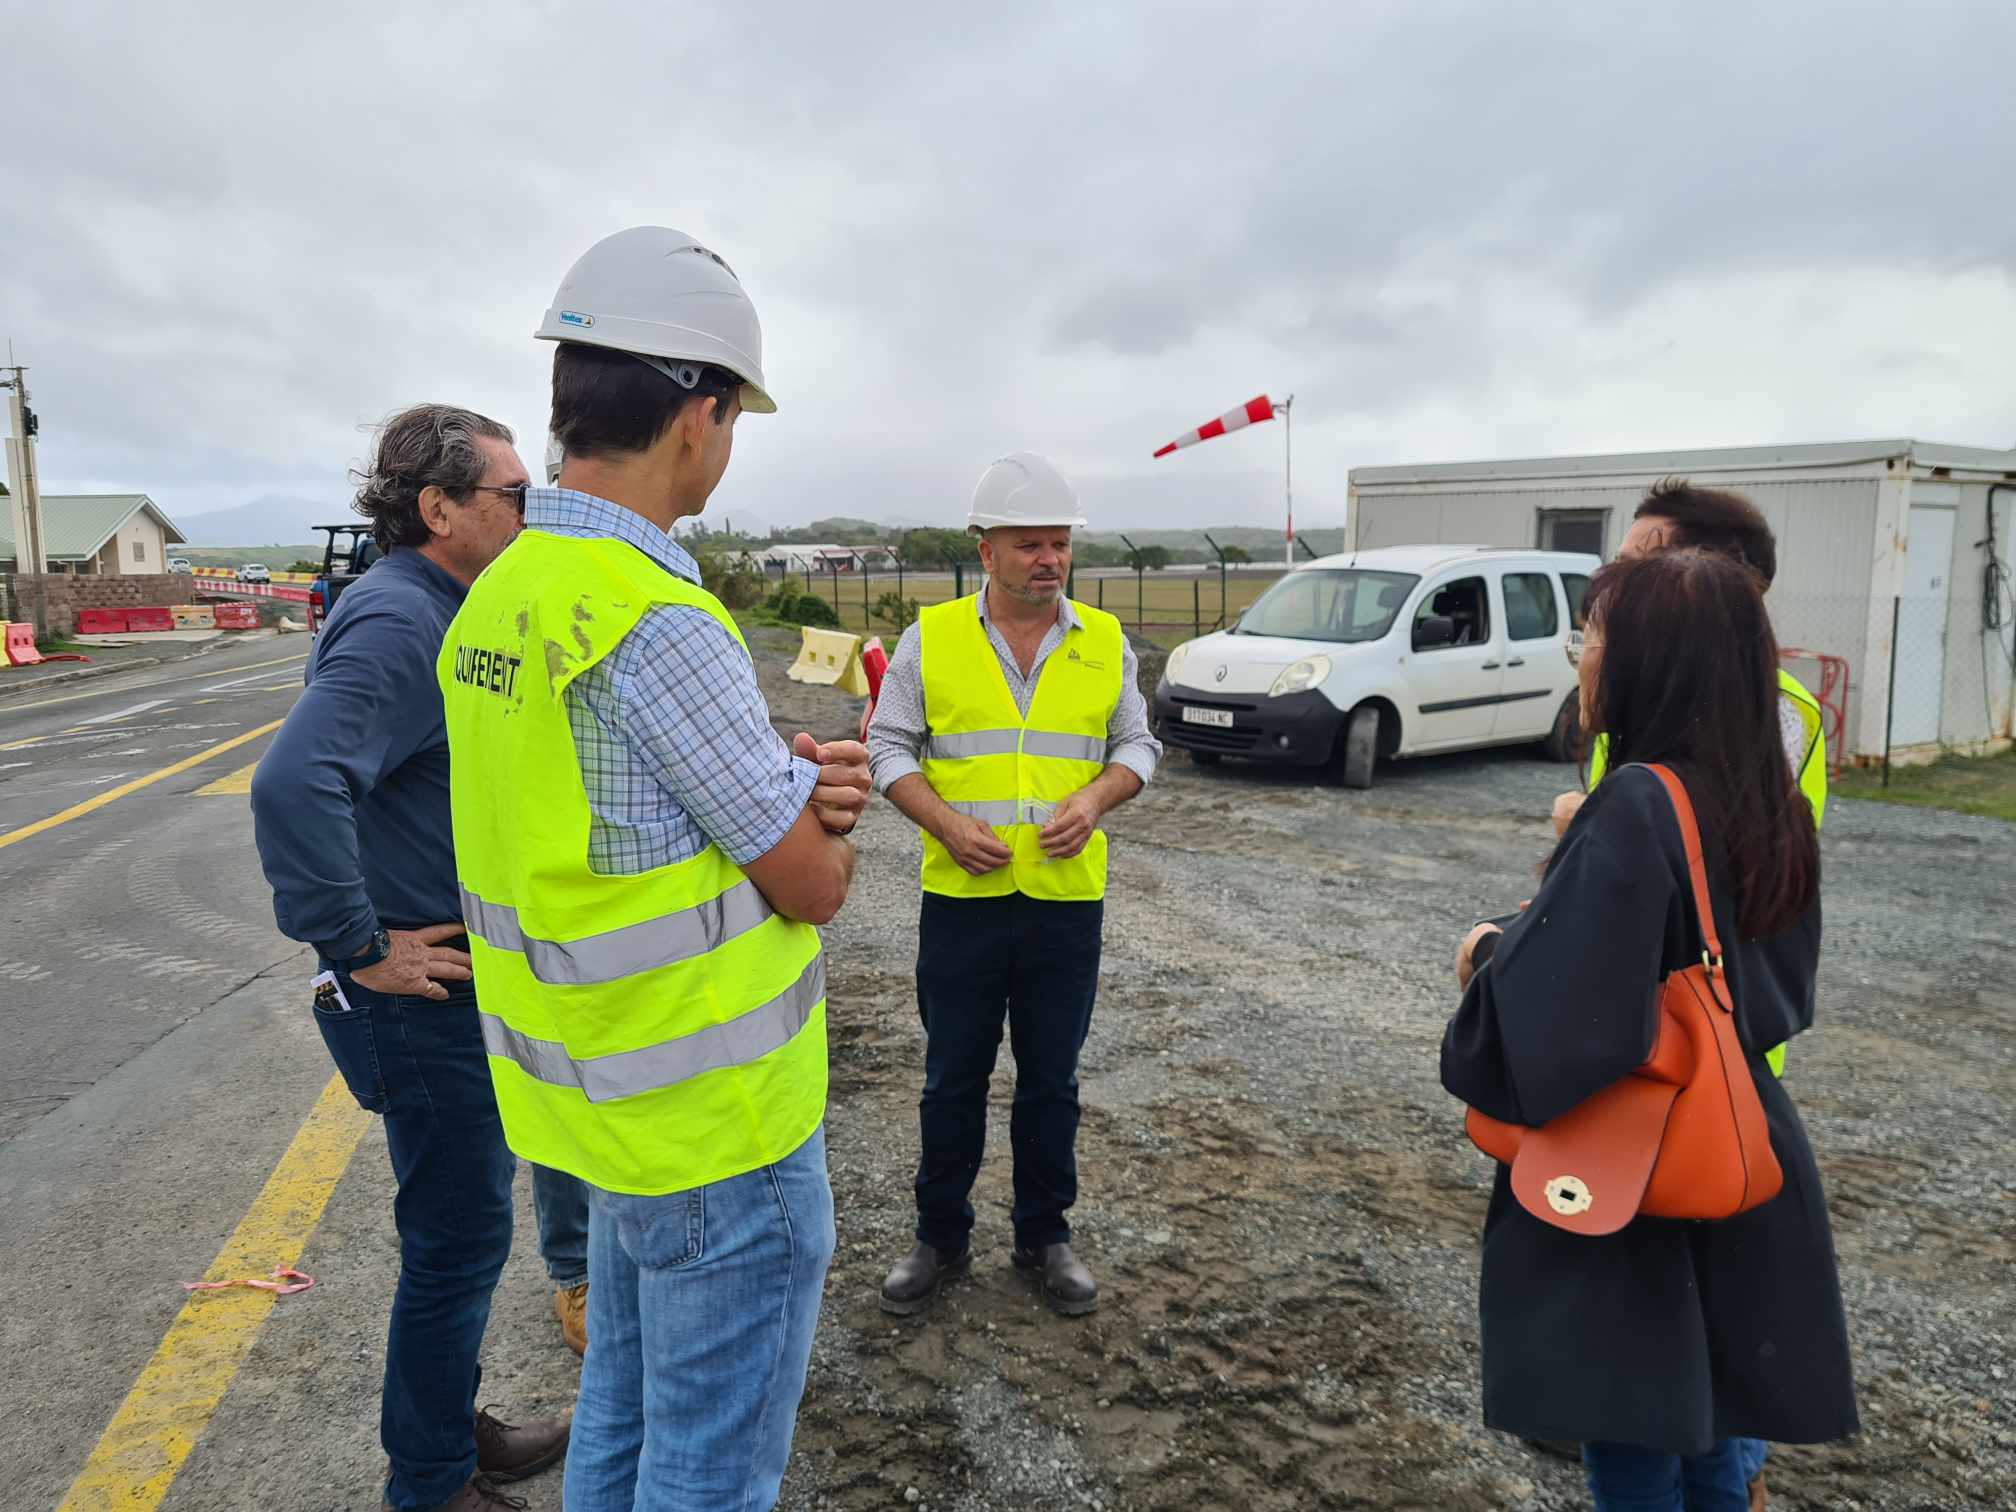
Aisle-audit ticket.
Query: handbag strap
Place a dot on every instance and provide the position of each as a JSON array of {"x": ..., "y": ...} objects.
[{"x": 1697, "y": 867}]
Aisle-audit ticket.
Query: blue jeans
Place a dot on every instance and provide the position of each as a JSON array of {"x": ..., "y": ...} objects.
[
  {"x": 421, "y": 1065},
  {"x": 701, "y": 1310},
  {"x": 1624, "y": 1479},
  {"x": 560, "y": 1203}
]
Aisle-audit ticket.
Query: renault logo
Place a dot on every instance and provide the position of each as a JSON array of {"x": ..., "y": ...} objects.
[{"x": 1219, "y": 675}]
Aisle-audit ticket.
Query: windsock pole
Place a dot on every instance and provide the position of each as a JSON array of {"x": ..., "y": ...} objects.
[{"x": 1286, "y": 410}]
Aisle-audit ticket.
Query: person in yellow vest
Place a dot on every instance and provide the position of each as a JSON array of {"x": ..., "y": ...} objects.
[
  {"x": 1009, "y": 724},
  {"x": 642, "y": 863},
  {"x": 1678, "y": 513}
]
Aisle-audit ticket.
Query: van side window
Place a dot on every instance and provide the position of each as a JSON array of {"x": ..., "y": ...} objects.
[
  {"x": 1464, "y": 602},
  {"x": 1530, "y": 611},
  {"x": 1576, "y": 586}
]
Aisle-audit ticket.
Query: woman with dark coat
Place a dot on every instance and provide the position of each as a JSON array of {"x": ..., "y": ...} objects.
[{"x": 1668, "y": 1348}]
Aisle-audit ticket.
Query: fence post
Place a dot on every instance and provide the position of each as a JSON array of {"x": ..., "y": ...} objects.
[
  {"x": 867, "y": 616},
  {"x": 1140, "y": 598},
  {"x": 1890, "y": 697},
  {"x": 958, "y": 580},
  {"x": 1196, "y": 606},
  {"x": 1102, "y": 591}
]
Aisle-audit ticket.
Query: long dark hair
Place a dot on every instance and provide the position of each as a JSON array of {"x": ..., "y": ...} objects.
[{"x": 1688, "y": 676}]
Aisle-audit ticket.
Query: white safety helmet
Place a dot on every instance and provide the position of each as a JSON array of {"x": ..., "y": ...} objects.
[
  {"x": 1023, "y": 489},
  {"x": 665, "y": 299},
  {"x": 553, "y": 456}
]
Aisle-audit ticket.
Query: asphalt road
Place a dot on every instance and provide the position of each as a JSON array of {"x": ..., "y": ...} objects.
[{"x": 156, "y": 1059}]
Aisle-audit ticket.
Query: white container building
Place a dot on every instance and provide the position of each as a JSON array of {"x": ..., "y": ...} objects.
[{"x": 1871, "y": 535}]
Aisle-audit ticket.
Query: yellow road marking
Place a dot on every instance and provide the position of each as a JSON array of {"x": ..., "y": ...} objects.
[
  {"x": 27, "y": 830},
  {"x": 239, "y": 781},
  {"x": 15, "y": 745},
  {"x": 164, "y": 1415},
  {"x": 44, "y": 703}
]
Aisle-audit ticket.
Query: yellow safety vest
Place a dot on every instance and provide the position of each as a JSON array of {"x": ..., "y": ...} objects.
[
  {"x": 1812, "y": 779},
  {"x": 649, "y": 1033},
  {"x": 984, "y": 759}
]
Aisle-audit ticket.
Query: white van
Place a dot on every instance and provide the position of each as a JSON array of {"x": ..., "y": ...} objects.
[{"x": 1387, "y": 653}]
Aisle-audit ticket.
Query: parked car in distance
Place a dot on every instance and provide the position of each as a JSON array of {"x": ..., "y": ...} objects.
[
  {"x": 255, "y": 572},
  {"x": 1388, "y": 653},
  {"x": 180, "y": 564}
]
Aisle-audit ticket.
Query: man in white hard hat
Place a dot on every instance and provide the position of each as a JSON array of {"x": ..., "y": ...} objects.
[
  {"x": 1010, "y": 722},
  {"x": 643, "y": 863}
]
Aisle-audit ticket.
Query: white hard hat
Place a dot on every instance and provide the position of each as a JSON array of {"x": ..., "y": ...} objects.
[
  {"x": 553, "y": 457},
  {"x": 1023, "y": 489},
  {"x": 661, "y": 296}
]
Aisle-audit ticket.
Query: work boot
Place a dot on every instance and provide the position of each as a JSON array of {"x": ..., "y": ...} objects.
[
  {"x": 918, "y": 1275},
  {"x": 570, "y": 1306},
  {"x": 1067, "y": 1286},
  {"x": 480, "y": 1495},
  {"x": 506, "y": 1452}
]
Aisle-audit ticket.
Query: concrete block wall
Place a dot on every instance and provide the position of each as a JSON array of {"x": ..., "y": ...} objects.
[{"x": 63, "y": 594}]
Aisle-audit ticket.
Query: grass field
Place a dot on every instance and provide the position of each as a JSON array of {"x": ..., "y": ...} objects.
[
  {"x": 1984, "y": 785},
  {"x": 1167, "y": 607}
]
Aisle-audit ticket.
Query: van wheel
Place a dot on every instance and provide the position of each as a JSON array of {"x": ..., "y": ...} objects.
[
  {"x": 1205, "y": 758},
  {"x": 1564, "y": 741},
  {"x": 1361, "y": 747}
]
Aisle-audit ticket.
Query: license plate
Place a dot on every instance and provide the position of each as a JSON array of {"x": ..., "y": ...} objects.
[{"x": 1222, "y": 718}]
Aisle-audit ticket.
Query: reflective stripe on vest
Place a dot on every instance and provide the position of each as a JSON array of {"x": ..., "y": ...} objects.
[
  {"x": 649, "y": 1033},
  {"x": 618, "y": 953},
  {"x": 757, "y": 1033},
  {"x": 988, "y": 761}
]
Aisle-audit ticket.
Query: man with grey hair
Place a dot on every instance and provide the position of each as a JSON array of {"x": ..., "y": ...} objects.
[{"x": 350, "y": 809}]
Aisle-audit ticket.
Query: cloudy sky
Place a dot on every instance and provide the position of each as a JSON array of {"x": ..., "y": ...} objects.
[{"x": 230, "y": 241}]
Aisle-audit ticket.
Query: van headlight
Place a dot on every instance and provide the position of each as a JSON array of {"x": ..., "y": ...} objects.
[
  {"x": 1299, "y": 677},
  {"x": 1172, "y": 669}
]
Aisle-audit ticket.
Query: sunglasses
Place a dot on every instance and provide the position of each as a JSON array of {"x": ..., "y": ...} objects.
[{"x": 514, "y": 492}]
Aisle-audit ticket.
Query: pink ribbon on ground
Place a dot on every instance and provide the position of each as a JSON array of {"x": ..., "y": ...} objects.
[{"x": 301, "y": 1282}]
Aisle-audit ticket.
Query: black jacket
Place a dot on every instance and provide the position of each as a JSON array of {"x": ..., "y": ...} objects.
[{"x": 1669, "y": 1334}]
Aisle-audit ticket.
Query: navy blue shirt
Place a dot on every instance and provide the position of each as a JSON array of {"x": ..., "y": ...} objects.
[{"x": 350, "y": 805}]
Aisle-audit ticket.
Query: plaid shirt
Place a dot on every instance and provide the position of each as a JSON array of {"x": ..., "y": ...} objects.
[{"x": 673, "y": 734}]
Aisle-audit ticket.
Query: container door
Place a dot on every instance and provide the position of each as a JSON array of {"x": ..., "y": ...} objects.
[{"x": 1918, "y": 695}]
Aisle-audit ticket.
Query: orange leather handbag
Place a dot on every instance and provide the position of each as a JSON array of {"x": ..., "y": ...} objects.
[{"x": 1683, "y": 1136}]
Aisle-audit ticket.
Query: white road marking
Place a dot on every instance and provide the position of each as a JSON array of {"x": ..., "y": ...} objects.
[
  {"x": 8, "y": 766},
  {"x": 139, "y": 708}
]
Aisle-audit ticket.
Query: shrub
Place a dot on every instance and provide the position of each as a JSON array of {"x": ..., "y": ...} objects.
[{"x": 895, "y": 610}]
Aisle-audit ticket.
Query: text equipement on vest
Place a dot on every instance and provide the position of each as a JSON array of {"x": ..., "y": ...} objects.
[{"x": 480, "y": 668}]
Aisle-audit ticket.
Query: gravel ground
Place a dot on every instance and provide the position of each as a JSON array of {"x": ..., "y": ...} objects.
[{"x": 1278, "y": 1199}]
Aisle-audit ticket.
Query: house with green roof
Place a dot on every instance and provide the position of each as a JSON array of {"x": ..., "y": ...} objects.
[{"x": 99, "y": 534}]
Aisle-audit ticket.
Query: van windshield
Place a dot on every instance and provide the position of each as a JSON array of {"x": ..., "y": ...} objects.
[{"x": 1329, "y": 604}]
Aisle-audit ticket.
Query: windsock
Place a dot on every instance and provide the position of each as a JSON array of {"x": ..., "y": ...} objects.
[{"x": 1250, "y": 413}]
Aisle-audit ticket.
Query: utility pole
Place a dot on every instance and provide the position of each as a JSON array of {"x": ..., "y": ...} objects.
[{"x": 30, "y": 562}]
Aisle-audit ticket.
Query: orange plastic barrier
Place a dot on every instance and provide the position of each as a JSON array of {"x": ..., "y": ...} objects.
[
  {"x": 21, "y": 650},
  {"x": 101, "y": 621},
  {"x": 237, "y": 616},
  {"x": 149, "y": 619}
]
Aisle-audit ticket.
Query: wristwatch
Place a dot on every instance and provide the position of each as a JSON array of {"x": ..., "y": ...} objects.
[{"x": 376, "y": 949}]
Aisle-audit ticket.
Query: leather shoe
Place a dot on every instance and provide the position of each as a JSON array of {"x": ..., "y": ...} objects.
[
  {"x": 480, "y": 1495},
  {"x": 914, "y": 1282},
  {"x": 506, "y": 1452},
  {"x": 1067, "y": 1286},
  {"x": 570, "y": 1306}
]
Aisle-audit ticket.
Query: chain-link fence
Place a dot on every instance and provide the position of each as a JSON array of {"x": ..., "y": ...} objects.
[{"x": 1167, "y": 606}]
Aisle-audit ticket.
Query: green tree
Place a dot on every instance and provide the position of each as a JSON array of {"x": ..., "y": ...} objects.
[
  {"x": 935, "y": 548},
  {"x": 1154, "y": 558},
  {"x": 1238, "y": 554}
]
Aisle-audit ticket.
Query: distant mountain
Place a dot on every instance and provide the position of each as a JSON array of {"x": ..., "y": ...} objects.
[{"x": 271, "y": 520}]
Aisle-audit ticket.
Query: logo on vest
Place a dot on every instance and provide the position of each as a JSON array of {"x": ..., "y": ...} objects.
[
  {"x": 1084, "y": 661},
  {"x": 479, "y": 667}
]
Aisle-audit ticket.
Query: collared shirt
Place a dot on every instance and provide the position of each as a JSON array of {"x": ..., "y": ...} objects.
[
  {"x": 350, "y": 805},
  {"x": 673, "y": 734},
  {"x": 896, "y": 738}
]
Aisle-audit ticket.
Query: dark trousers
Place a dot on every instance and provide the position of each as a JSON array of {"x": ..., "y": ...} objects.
[
  {"x": 1036, "y": 964},
  {"x": 421, "y": 1065}
]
